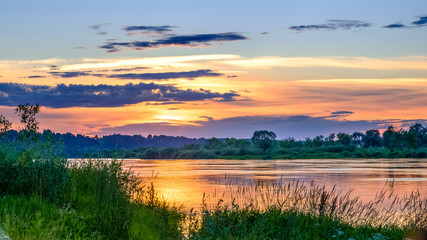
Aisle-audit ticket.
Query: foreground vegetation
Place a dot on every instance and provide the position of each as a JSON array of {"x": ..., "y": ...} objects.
[
  {"x": 98, "y": 200},
  {"x": 45, "y": 196},
  {"x": 296, "y": 211}
]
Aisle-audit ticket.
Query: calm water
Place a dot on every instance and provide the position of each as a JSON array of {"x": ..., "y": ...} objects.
[{"x": 185, "y": 181}]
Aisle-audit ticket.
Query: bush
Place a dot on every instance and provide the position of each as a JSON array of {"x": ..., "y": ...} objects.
[{"x": 29, "y": 172}]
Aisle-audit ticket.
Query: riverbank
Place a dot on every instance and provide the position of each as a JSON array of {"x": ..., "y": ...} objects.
[
  {"x": 100, "y": 200},
  {"x": 44, "y": 196},
  {"x": 223, "y": 151}
]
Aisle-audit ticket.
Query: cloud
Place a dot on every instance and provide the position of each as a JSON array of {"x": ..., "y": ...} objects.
[
  {"x": 141, "y": 76},
  {"x": 167, "y": 75},
  {"x": 156, "y": 29},
  {"x": 128, "y": 69},
  {"x": 36, "y": 76},
  {"x": 98, "y": 27},
  {"x": 74, "y": 95},
  {"x": 422, "y": 21},
  {"x": 299, "y": 127},
  {"x": 70, "y": 74},
  {"x": 333, "y": 25},
  {"x": 395, "y": 25},
  {"x": 409, "y": 63},
  {"x": 196, "y": 40},
  {"x": 91, "y": 63},
  {"x": 342, "y": 112}
]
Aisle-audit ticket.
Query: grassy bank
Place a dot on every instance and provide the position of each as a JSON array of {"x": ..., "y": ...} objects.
[
  {"x": 44, "y": 196},
  {"x": 297, "y": 211}
]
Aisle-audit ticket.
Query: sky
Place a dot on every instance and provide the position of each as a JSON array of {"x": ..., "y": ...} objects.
[{"x": 215, "y": 68}]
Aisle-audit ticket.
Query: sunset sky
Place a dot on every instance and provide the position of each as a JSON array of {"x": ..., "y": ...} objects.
[{"x": 215, "y": 68}]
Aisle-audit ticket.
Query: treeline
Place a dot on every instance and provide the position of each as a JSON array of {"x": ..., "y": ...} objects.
[
  {"x": 78, "y": 145},
  {"x": 393, "y": 143}
]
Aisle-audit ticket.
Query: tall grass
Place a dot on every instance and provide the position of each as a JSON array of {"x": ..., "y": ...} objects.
[
  {"x": 298, "y": 211},
  {"x": 26, "y": 170},
  {"x": 44, "y": 196}
]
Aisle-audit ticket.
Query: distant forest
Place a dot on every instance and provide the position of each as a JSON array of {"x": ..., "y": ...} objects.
[
  {"x": 393, "y": 143},
  {"x": 77, "y": 145}
]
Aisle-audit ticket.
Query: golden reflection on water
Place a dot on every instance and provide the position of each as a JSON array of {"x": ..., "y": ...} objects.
[{"x": 185, "y": 181}]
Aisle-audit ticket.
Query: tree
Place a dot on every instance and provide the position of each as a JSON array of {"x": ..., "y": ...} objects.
[
  {"x": 372, "y": 138},
  {"x": 420, "y": 133},
  {"x": 344, "y": 138},
  {"x": 214, "y": 143},
  {"x": 263, "y": 139},
  {"x": 4, "y": 125},
  {"x": 318, "y": 141},
  {"x": 394, "y": 138},
  {"x": 357, "y": 138},
  {"x": 27, "y": 113}
]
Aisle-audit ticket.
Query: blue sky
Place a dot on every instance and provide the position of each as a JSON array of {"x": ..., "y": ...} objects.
[{"x": 217, "y": 60}]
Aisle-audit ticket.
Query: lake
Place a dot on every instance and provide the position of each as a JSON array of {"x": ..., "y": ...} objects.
[{"x": 185, "y": 180}]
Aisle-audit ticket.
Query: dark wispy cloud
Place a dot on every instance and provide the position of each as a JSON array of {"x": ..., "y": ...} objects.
[
  {"x": 149, "y": 29},
  {"x": 163, "y": 103},
  {"x": 395, "y": 25},
  {"x": 36, "y": 76},
  {"x": 76, "y": 95},
  {"x": 166, "y": 75},
  {"x": 196, "y": 40},
  {"x": 128, "y": 69},
  {"x": 342, "y": 112},
  {"x": 70, "y": 74},
  {"x": 334, "y": 24},
  {"x": 140, "y": 76},
  {"x": 98, "y": 28},
  {"x": 299, "y": 127},
  {"x": 422, "y": 21}
]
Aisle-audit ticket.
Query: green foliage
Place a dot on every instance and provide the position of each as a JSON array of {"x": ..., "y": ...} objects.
[
  {"x": 372, "y": 138},
  {"x": 263, "y": 139},
  {"x": 29, "y": 218},
  {"x": 102, "y": 190},
  {"x": 27, "y": 114},
  {"x": 27, "y": 172},
  {"x": 44, "y": 196},
  {"x": 4, "y": 125},
  {"x": 296, "y": 211}
]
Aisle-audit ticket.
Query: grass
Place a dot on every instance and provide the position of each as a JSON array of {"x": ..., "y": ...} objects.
[
  {"x": 297, "y": 211},
  {"x": 43, "y": 196}
]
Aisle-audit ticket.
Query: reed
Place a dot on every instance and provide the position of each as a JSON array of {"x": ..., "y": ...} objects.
[{"x": 295, "y": 210}]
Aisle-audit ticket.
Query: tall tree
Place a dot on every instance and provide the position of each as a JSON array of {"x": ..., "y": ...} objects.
[
  {"x": 27, "y": 113},
  {"x": 344, "y": 138},
  {"x": 420, "y": 133},
  {"x": 263, "y": 139},
  {"x": 4, "y": 125},
  {"x": 372, "y": 138},
  {"x": 394, "y": 138}
]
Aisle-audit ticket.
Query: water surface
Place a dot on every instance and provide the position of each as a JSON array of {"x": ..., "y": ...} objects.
[{"x": 185, "y": 180}]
